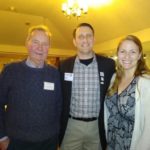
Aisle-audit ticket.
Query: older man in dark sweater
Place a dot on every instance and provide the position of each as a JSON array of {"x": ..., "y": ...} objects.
[{"x": 31, "y": 91}]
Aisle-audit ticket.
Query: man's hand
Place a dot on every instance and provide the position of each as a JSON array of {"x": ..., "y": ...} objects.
[{"x": 4, "y": 144}]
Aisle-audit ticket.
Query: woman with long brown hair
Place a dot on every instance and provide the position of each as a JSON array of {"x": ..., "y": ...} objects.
[{"x": 127, "y": 104}]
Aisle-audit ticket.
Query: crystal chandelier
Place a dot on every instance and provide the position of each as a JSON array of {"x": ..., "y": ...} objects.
[{"x": 75, "y": 8}]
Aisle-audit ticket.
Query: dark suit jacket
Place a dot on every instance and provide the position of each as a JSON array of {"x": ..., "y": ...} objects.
[{"x": 105, "y": 65}]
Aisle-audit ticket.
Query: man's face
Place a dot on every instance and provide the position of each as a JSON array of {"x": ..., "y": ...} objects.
[
  {"x": 84, "y": 40},
  {"x": 38, "y": 45}
]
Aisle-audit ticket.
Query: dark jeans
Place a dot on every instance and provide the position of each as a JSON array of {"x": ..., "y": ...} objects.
[{"x": 49, "y": 144}]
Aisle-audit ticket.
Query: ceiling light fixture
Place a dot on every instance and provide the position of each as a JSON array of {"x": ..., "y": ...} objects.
[{"x": 75, "y": 8}]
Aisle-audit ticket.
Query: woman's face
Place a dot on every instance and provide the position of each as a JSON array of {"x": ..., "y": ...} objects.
[{"x": 128, "y": 55}]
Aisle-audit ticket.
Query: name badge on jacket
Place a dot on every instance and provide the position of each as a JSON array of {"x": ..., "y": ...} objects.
[
  {"x": 68, "y": 76},
  {"x": 49, "y": 86},
  {"x": 101, "y": 77}
]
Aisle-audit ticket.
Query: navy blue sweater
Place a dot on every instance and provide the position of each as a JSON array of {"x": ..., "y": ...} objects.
[{"x": 33, "y": 106}]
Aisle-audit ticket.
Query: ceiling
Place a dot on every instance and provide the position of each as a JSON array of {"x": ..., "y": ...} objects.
[{"x": 112, "y": 21}]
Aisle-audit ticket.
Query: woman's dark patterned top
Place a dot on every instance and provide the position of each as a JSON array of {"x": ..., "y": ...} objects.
[{"x": 121, "y": 120}]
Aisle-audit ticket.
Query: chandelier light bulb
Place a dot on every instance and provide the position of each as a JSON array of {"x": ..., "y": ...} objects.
[{"x": 75, "y": 8}]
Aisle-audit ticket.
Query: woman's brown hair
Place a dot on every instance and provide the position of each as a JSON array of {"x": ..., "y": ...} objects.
[{"x": 141, "y": 66}]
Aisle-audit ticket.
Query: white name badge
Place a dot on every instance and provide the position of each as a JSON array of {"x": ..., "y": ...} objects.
[
  {"x": 49, "y": 86},
  {"x": 68, "y": 77},
  {"x": 102, "y": 77},
  {"x": 102, "y": 74}
]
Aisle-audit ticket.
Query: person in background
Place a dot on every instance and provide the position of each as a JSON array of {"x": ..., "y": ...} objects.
[
  {"x": 31, "y": 90},
  {"x": 127, "y": 104},
  {"x": 85, "y": 79}
]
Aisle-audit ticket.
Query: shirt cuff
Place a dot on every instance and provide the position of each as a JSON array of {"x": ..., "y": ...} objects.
[{"x": 3, "y": 138}]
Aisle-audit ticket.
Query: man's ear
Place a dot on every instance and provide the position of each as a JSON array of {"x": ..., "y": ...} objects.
[{"x": 74, "y": 42}]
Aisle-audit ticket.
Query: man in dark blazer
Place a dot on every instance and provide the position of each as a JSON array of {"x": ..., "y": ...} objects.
[{"x": 85, "y": 79}]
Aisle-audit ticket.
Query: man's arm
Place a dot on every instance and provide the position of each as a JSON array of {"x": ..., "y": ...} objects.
[
  {"x": 4, "y": 142},
  {"x": 3, "y": 102}
]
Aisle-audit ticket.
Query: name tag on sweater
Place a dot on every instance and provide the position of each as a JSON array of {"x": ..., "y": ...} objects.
[{"x": 49, "y": 86}]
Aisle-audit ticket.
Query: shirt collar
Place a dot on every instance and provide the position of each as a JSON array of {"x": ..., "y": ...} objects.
[
  {"x": 77, "y": 60},
  {"x": 31, "y": 64}
]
